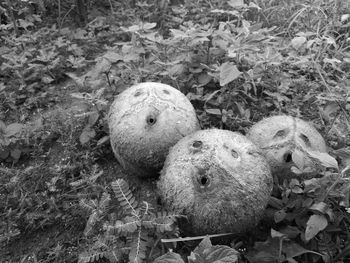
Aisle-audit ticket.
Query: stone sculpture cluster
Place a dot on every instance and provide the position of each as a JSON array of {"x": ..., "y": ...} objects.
[{"x": 220, "y": 179}]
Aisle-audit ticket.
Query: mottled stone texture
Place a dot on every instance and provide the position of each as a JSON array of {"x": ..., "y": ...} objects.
[
  {"x": 281, "y": 137},
  {"x": 219, "y": 179},
  {"x": 145, "y": 121}
]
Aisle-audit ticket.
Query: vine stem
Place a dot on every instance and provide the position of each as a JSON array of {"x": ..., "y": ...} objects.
[{"x": 64, "y": 17}]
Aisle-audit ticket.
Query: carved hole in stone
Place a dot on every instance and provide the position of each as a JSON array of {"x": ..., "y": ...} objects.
[
  {"x": 234, "y": 154},
  {"x": 281, "y": 133},
  {"x": 204, "y": 180},
  {"x": 305, "y": 139},
  {"x": 151, "y": 120},
  {"x": 137, "y": 93},
  {"x": 197, "y": 144},
  {"x": 287, "y": 157},
  {"x": 165, "y": 91}
]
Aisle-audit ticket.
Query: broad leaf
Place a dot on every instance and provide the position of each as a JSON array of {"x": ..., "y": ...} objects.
[
  {"x": 87, "y": 135},
  {"x": 103, "y": 140},
  {"x": 267, "y": 251},
  {"x": 324, "y": 159},
  {"x": 113, "y": 56},
  {"x": 344, "y": 17},
  {"x": 16, "y": 154},
  {"x": 93, "y": 117},
  {"x": 4, "y": 153},
  {"x": 321, "y": 207},
  {"x": 204, "y": 79},
  {"x": 205, "y": 252},
  {"x": 297, "y": 42},
  {"x": 169, "y": 257},
  {"x": 13, "y": 129},
  {"x": 343, "y": 153},
  {"x": 213, "y": 111},
  {"x": 148, "y": 26},
  {"x": 176, "y": 69},
  {"x": 298, "y": 158},
  {"x": 329, "y": 109},
  {"x": 2, "y": 127},
  {"x": 280, "y": 215},
  {"x": 276, "y": 234},
  {"x": 178, "y": 33},
  {"x": 236, "y": 3},
  {"x": 292, "y": 250},
  {"x": 228, "y": 73},
  {"x": 315, "y": 224}
]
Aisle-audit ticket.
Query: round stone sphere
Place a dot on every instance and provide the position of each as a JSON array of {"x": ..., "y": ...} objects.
[
  {"x": 217, "y": 178},
  {"x": 285, "y": 141},
  {"x": 144, "y": 121}
]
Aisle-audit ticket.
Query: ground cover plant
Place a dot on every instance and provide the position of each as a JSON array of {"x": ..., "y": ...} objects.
[{"x": 63, "y": 196}]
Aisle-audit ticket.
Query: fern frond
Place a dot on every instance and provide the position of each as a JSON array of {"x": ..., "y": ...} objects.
[
  {"x": 139, "y": 246},
  {"x": 148, "y": 224},
  {"x": 113, "y": 256},
  {"x": 104, "y": 201},
  {"x": 121, "y": 228},
  {"x": 164, "y": 214},
  {"x": 125, "y": 197},
  {"x": 93, "y": 219},
  {"x": 164, "y": 226},
  {"x": 88, "y": 205},
  {"x": 165, "y": 222},
  {"x": 146, "y": 209},
  {"x": 114, "y": 248},
  {"x": 108, "y": 247},
  {"x": 91, "y": 256}
]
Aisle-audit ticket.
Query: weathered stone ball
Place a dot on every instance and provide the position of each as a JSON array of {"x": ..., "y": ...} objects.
[
  {"x": 144, "y": 121},
  {"x": 285, "y": 141},
  {"x": 217, "y": 178}
]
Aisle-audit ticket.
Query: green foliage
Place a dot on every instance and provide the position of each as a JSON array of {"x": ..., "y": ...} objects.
[
  {"x": 237, "y": 61},
  {"x": 96, "y": 115},
  {"x": 205, "y": 252},
  {"x": 139, "y": 228},
  {"x": 278, "y": 248},
  {"x": 9, "y": 136}
]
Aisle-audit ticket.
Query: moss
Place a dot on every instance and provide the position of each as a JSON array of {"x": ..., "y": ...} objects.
[{"x": 219, "y": 179}]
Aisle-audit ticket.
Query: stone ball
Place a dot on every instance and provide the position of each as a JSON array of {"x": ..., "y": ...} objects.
[
  {"x": 217, "y": 178},
  {"x": 285, "y": 141},
  {"x": 144, "y": 121}
]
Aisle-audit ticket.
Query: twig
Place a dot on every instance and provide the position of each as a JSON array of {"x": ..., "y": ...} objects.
[
  {"x": 110, "y": 3},
  {"x": 183, "y": 239}
]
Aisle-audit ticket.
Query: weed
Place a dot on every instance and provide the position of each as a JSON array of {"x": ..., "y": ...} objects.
[{"x": 135, "y": 229}]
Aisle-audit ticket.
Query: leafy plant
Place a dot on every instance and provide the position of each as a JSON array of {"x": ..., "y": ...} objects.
[
  {"x": 139, "y": 228},
  {"x": 205, "y": 252},
  {"x": 97, "y": 112},
  {"x": 237, "y": 61},
  {"x": 9, "y": 136},
  {"x": 278, "y": 248}
]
